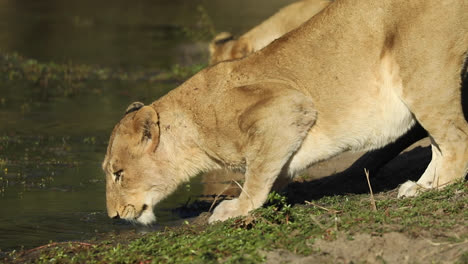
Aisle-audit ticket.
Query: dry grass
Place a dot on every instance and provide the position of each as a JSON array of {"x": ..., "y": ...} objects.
[{"x": 372, "y": 199}]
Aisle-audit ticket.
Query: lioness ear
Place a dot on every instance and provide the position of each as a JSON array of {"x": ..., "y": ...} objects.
[
  {"x": 219, "y": 40},
  {"x": 134, "y": 107},
  {"x": 146, "y": 124},
  {"x": 241, "y": 48}
]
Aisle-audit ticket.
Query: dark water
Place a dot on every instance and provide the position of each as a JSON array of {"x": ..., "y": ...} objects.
[
  {"x": 130, "y": 34},
  {"x": 51, "y": 183}
]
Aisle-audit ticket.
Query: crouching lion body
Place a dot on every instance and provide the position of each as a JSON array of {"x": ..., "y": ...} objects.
[
  {"x": 355, "y": 77},
  {"x": 224, "y": 47}
]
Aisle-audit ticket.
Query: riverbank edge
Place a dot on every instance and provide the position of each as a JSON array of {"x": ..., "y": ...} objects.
[{"x": 431, "y": 227}]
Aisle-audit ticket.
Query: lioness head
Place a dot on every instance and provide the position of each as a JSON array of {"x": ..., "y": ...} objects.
[
  {"x": 224, "y": 47},
  {"x": 131, "y": 190}
]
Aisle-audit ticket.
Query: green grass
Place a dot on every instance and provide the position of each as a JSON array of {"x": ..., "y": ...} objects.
[{"x": 277, "y": 226}]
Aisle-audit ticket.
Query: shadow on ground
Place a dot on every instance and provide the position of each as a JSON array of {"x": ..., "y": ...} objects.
[{"x": 409, "y": 165}]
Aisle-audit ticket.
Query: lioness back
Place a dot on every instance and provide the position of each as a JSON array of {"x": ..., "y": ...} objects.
[{"x": 224, "y": 47}]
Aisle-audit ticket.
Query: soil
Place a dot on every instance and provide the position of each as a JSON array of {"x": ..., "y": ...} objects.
[{"x": 388, "y": 248}]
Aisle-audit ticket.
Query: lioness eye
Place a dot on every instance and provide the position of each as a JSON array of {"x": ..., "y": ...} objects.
[{"x": 118, "y": 175}]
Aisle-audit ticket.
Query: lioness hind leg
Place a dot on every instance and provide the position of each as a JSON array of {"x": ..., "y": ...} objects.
[
  {"x": 447, "y": 165},
  {"x": 275, "y": 128},
  {"x": 448, "y": 129}
]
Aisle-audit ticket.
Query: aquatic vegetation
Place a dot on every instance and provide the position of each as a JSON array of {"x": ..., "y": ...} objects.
[
  {"x": 3, "y": 185},
  {"x": 52, "y": 79},
  {"x": 89, "y": 140},
  {"x": 33, "y": 162},
  {"x": 181, "y": 72}
]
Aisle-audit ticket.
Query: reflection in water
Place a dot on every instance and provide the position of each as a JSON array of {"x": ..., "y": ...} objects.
[
  {"x": 120, "y": 33},
  {"x": 51, "y": 184},
  {"x": 109, "y": 33}
]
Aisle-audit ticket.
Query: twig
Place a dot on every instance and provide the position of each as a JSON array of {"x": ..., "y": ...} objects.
[
  {"x": 446, "y": 243},
  {"x": 217, "y": 196},
  {"x": 446, "y": 246},
  {"x": 374, "y": 207},
  {"x": 242, "y": 189},
  {"x": 323, "y": 208}
]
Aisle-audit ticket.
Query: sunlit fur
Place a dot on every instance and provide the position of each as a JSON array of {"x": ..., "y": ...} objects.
[{"x": 149, "y": 175}]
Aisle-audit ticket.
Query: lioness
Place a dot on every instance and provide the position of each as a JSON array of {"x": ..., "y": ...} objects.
[
  {"x": 224, "y": 47},
  {"x": 355, "y": 77}
]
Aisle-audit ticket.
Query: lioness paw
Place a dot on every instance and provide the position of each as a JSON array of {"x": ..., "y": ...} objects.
[
  {"x": 409, "y": 189},
  {"x": 226, "y": 210}
]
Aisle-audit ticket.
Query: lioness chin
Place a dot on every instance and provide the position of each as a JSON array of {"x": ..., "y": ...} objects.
[
  {"x": 224, "y": 47},
  {"x": 355, "y": 77}
]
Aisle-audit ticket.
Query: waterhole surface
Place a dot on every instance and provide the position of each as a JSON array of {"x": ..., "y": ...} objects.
[{"x": 52, "y": 144}]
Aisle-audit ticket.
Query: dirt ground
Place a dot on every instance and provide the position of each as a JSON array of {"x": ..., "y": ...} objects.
[{"x": 388, "y": 248}]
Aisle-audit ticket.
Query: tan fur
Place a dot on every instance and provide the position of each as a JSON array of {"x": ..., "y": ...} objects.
[
  {"x": 355, "y": 77},
  {"x": 224, "y": 47}
]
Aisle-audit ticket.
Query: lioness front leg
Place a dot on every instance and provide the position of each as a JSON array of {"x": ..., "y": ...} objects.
[
  {"x": 254, "y": 194},
  {"x": 275, "y": 129}
]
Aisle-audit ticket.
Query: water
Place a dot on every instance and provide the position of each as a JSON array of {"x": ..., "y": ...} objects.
[
  {"x": 142, "y": 33},
  {"x": 51, "y": 183},
  {"x": 51, "y": 149}
]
